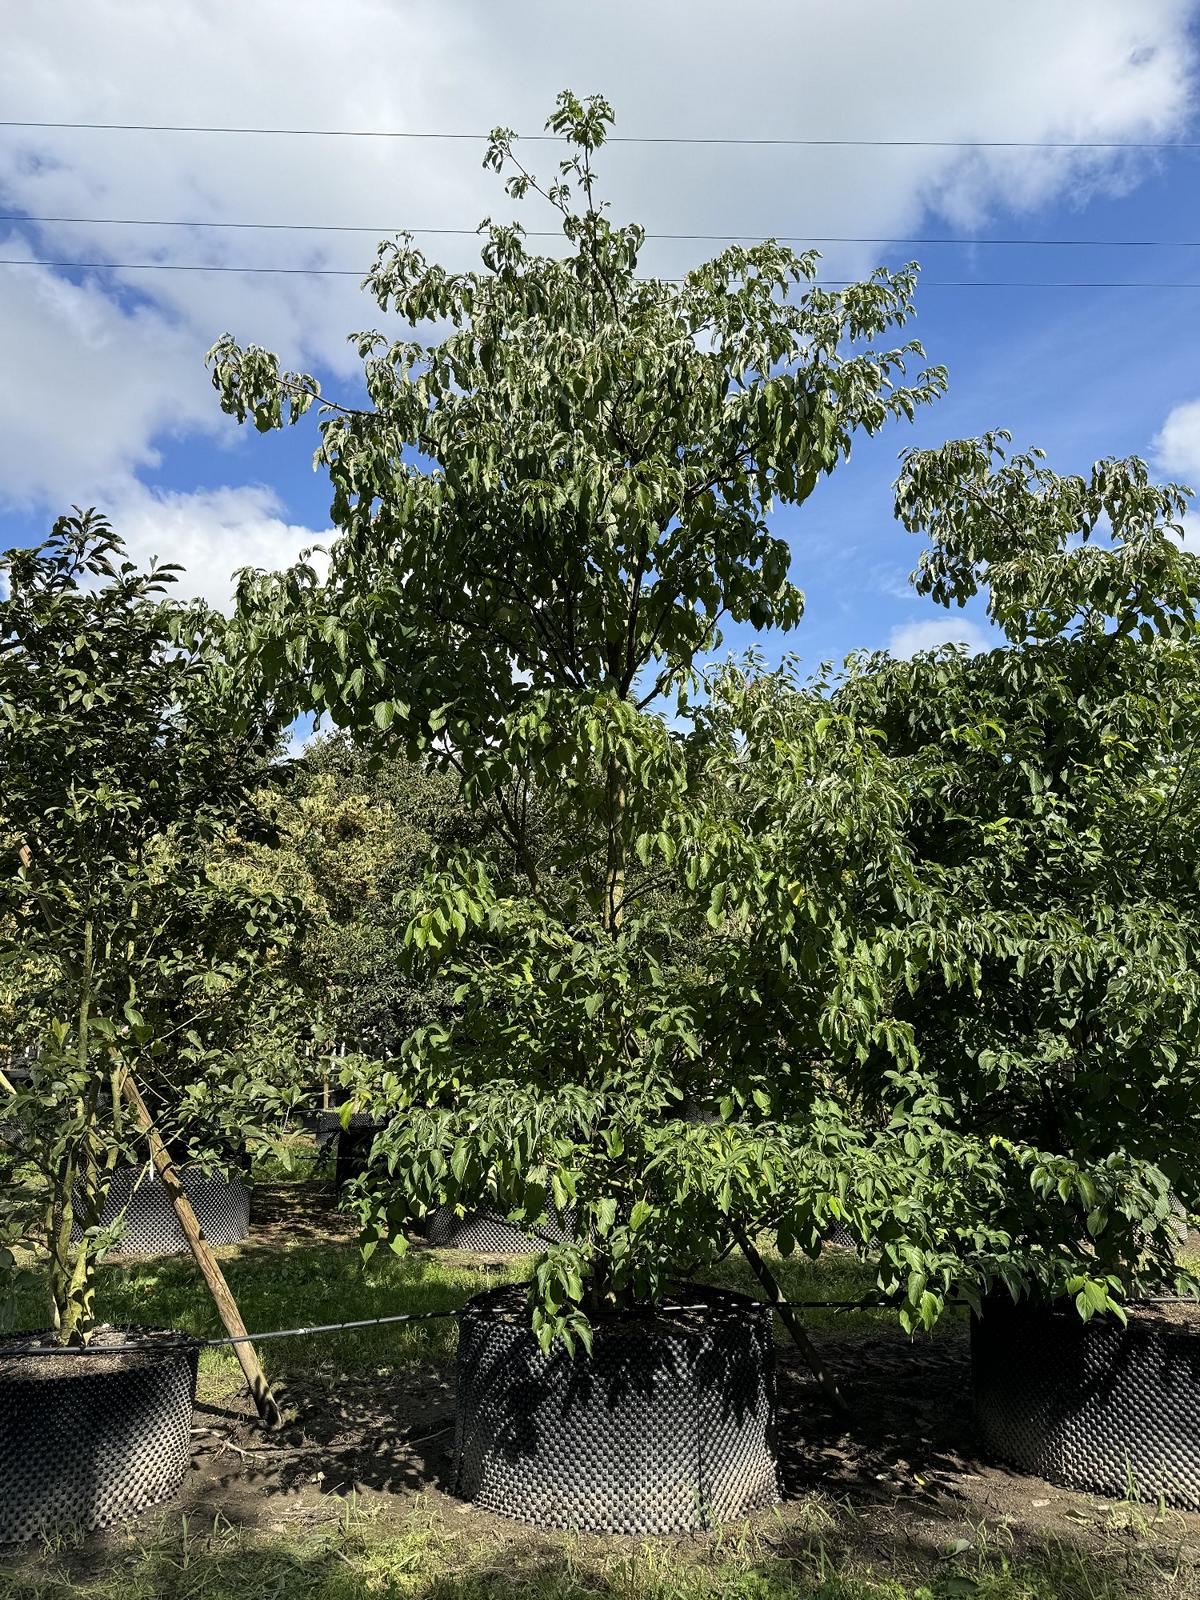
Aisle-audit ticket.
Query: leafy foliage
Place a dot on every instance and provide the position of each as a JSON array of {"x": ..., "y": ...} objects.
[
  {"x": 125, "y": 751},
  {"x": 560, "y": 489},
  {"x": 350, "y": 838},
  {"x": 1051, "y": 960}
]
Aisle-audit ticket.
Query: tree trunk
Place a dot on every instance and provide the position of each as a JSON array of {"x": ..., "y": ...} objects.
[{"x": 792, "y": 1323}]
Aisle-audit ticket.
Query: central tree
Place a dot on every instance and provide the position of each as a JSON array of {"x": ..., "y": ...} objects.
[{"x": 560, "y": 488}]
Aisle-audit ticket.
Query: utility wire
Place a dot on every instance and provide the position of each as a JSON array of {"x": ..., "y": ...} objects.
[
  {"x": 823, "y": 283},
  {"x": 556, "y": 233},
  {"x": 618, "y": 138}
]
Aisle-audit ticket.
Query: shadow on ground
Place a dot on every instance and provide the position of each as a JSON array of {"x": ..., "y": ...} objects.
[{"x": 351, "y": 1498}]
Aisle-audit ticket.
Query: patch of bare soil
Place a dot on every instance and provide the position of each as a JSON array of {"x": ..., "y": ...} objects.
[
  {"x": 62, "y": 1362},
  {"x": 288, "y": 1214},
  {"x": 901, "y": 1483},
  {"x": 909, "y": 1462}
]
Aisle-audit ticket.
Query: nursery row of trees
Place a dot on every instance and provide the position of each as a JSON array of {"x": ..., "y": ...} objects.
[{"x": 699, "y": 952}]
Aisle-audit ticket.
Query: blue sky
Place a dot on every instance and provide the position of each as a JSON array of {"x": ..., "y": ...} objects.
[{"x": 105, "y": 397}]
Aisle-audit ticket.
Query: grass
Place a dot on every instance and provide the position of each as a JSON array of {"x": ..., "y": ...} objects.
[
  {"x": 359, "y": 1556},
  {"x": 306, "y": 1276},
  {"x": 286, "y": 1286},
  {"x": 836, "y": 1275}
]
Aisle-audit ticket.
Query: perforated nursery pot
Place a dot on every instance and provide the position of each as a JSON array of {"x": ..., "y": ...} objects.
[
  {"x": 1091, "y": 1405},
  {"x": 490, "y": 1233},
  {"x": 88, "y": 1440},
  {"x": 150, "y": 1226},
  {"x": 353, "y": 1142},
  {"x": 667, "y": 1427}
]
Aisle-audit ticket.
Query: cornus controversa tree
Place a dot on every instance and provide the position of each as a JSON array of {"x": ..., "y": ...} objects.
[
  {"x": 136, "y": 974},
  {"x": 559, "y": 490},
  {"x": 1049, "y": 974}
]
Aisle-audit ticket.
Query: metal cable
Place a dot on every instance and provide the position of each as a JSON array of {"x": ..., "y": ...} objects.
[{"x": 187, "y": 1340}]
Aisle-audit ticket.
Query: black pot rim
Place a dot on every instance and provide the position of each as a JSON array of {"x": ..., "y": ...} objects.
[
  {"x": 219, "y": 1172},
  {"x": 723, "y": 1303},
  {"x": 1063, "y": 1309},
  {"x": 137, "y": 1340}
]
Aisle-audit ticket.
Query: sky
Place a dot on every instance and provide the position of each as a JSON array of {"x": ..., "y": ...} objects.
[{"x": 105, "y": 399}]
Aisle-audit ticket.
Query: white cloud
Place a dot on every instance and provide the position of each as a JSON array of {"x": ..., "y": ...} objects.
[
  {"x": 912, "y": 637},
  {"x": 91, "y": 385},
  {"x": 99, "y": 376},
  {"x": 211, "y": 533},
  {"x": 1177, "y": 444}
]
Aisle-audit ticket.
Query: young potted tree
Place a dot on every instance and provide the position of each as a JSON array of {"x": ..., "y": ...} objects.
[
  {"x": 544, "y": 514},
  {"x": 1053, "y": 962},
  {"x": 124, "y": 758}
]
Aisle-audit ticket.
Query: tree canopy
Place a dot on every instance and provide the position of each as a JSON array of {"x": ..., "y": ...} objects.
[
  {"x": 797, "y": 951},
  {"x": 126, "y": 753},
  {"x": 560, "y": 488},
  {"x": 1052, "y": 963}
]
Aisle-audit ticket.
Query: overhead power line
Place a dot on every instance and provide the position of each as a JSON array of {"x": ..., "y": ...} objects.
[
  {"x": 823, "y": 283},
  {"x": 556, "y": 233},
  {"x": 616, "y": 138}
]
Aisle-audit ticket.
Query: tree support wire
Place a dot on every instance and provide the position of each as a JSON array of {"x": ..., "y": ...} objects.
[{"x": 347, "y": 1327}]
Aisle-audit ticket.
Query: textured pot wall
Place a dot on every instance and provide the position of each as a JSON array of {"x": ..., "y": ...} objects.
[
  {"x": 86, "y": 1441},
  {"x": 667, "y": 1427},
  {"x": 1092, "y": 1405},
  {"x": 353, "y": 1143},
  {"x": 488, "y": 1232},
  {"x": 150, "y": 1226}
]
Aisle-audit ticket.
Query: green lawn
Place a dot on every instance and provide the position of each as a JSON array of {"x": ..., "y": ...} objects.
[
  {"x": 312, "y": 1283},
  {"x": 321, "y": 1278},
  {"x": 286, "y": 1287}
]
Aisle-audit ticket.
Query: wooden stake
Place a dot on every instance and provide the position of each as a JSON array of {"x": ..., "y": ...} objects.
[
  {"x": 231, "y": 1317},
  {"x": 792, "y": 1323}
]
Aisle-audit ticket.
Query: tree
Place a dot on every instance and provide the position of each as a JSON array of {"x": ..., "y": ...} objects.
[
  {"x": 544, "y": 516},
  {"x": 1049, "y": 973},
  {"x": 351, "y": 838},
  {"x": 126, "y": 751}
]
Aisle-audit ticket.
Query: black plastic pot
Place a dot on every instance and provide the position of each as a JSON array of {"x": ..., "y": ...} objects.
[
  {"x": 1091, "y": 1405},
  {"x": 489, "y": 1233},
  {"x": 325, "y": 1125},
  {"x": 11, "y": 1131},
  {"x": 352, "y": 1143},
  {"x": 88, "y": 1440},
  {"x": 150, "y": 1226},
  {"x": 667, "y": 1427}
]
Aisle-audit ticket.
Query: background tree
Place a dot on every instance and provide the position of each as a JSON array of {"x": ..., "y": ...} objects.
[
  {"x": 1049, "y": 974},
  {"x": 350, "y": 837},
  {"x": 125, "y": 753},
  {"x": 544, "y": 516}
]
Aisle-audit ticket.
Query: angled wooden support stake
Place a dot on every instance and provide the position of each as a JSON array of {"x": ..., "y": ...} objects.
[
  {"x": 792, "y": 1323},
  {"x": 231, "y": 1317}
]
